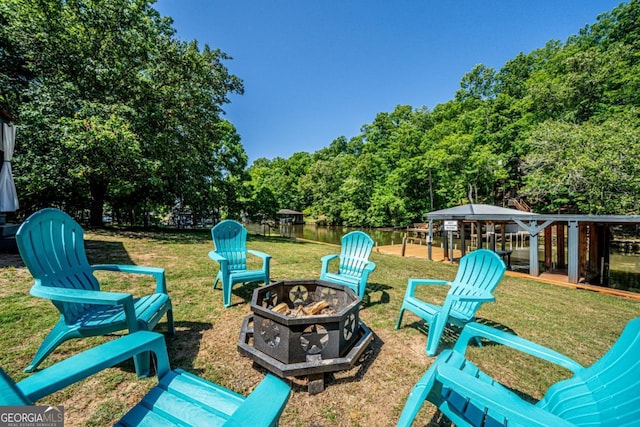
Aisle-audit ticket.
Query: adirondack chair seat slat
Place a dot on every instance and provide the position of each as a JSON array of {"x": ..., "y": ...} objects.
[
  {"x": 179, "y": 398},
  {"x": 183, "y": 384},
  {"x": 479, "y": 272},
  {"x": 354, "y": 266},
  {"x": 346, "y": 277},
  {"x": 606, "y": 393},
  {"x": 149, "y": 310},
  {"x": 140, "y": 416},
  {"x": 173, "y": 408},
  {"x": 185, "y": 399},
  {"x": 200, "y": 402},
  {"x": 230, "y": 243},
  {"x": 51, "y": 244},
  {"x": 247, "y": 276}
]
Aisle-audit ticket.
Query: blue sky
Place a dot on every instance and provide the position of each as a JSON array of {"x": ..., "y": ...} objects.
[{"x": 314, "y": 70}]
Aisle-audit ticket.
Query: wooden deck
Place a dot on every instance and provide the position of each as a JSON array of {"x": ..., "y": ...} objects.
[{"x": 416, "y": 251}]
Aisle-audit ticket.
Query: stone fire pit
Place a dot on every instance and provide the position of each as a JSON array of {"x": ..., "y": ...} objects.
[{"x": 315, "y": 328}]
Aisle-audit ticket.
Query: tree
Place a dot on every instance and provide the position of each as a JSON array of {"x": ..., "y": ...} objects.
[
  {"x": 591, "y": 168},
  {"x": 478, "y": 84},
  {"x": 98, "y": 65},
  {"x": 98, "y": 132}
]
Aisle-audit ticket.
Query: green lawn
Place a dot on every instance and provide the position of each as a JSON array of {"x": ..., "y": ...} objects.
[{"x": 581, "y": 324}]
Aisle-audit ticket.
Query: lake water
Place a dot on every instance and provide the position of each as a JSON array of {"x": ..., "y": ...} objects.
[
  {"x": 328, "y": 234},
  {"x": 624, "y": 264}
]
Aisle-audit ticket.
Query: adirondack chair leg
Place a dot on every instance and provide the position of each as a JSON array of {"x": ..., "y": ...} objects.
[
  {"x": 416, "y": 399},
  {"x": 226, "y": 293},
  {"x": 218, "y": 279},
  {"x": 59, "y": 334},
  {"x": 267, "y": 272},
  {"x": 432, "y": 344},
  {"x": 170, "y": 326},
  {"x": 142, "y": 363},
  {"x": 478, "y": 341},
  {"x": 436, "y": 328},
  {"x": 400, "y": 318}
]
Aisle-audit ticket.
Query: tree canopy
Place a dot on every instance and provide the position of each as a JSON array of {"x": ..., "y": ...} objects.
[{"x": 114, "y": 109}]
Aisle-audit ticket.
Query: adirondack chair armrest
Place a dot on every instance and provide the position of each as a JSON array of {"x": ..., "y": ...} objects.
[
  {"x": 264, "y": 405},
  {"x": 259, "y": 254},
  {"x": 85, "y": 296},
  {"x": 217, "y": 257},
  {"x": 419, "y": 282},
  {"x": 82, "y": 296},
  {"x": 96, "y": 359},
  {"x": 413, "y": 283},
  {"x": 475, "y": 295},
  {"x": 370, "y": 267},
  {"x": 516, "y": 410},
  {"x": 329, "y": 257},
  {"x": 475, "y": 330},
  {"x": 326, "y": 260},
  {"x": 156, "y": 272}
]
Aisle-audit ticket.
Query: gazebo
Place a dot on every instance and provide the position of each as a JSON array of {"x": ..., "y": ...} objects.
[{"x": 465, "y": 214}]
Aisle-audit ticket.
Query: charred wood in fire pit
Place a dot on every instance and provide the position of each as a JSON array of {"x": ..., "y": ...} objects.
[
  {"x": 315, "y": 308},
  {"x": 282, "y": 308},
  {"x": 319, "y": 307}
]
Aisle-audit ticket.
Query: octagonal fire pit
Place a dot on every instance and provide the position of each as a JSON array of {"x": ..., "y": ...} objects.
[{"x": 304, "y": 328}]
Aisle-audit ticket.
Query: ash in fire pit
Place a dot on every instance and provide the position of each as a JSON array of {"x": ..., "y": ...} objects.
[{"x": 304, "y": 327}]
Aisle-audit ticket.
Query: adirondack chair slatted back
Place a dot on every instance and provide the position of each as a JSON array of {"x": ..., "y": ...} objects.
[
  {"x": 51, "y": 244},
  {"x": 354, "y": 254},
  {"x": 481, "y": 270},
  {"x": 605, "y": 393},
  {"x": 230, "y": 240}
]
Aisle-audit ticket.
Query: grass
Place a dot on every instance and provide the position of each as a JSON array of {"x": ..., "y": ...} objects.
[{"x": 578, "y": 323}]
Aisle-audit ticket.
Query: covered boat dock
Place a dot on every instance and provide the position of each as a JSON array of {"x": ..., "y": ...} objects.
[{"x": 578, "y": 243}]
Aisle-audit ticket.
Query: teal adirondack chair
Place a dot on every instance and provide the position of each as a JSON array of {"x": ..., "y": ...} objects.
[
  {"x": 180, "y": 398},
  {"x": 354, "y": 267},
  {"x": 230, "y": 241},
  {"x": 51, "y": 244},
  {"x": 478, "y": 275},
  {"x": 606, "y": 393}
]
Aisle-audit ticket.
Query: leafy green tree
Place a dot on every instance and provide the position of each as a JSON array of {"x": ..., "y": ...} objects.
[
  {"x": 322, "y": 185},
  {"x": 98, "y": 132},
  {"x": 590, "y": 168},
  {"x": 282, "y": 178},
  {"x": 95, "y": 65},
  {"x": 478, "y": 84}
]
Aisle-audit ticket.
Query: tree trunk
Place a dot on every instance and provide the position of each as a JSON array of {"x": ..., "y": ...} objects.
[
  {"x": 98, "y": 188},
  {"x": 430, "y": 189}
]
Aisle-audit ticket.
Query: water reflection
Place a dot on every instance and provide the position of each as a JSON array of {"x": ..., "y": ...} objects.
[{"x": 328, "y": 234}]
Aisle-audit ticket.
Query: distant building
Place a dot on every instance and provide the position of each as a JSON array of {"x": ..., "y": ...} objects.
[{"x": 290, "y": 216}]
